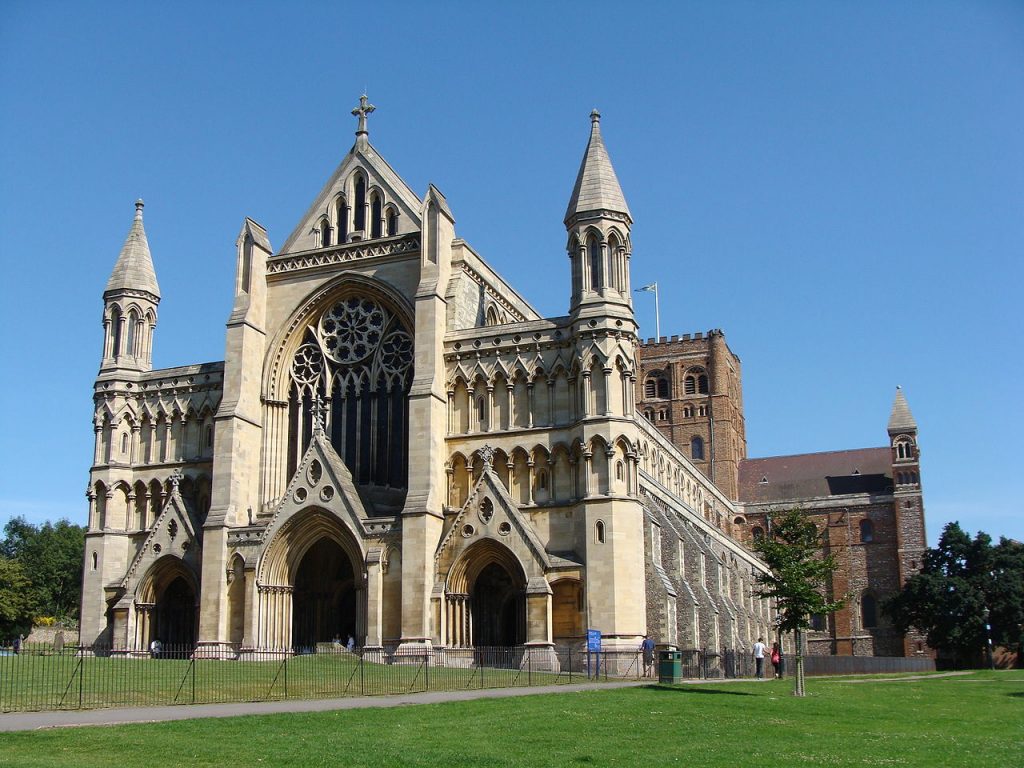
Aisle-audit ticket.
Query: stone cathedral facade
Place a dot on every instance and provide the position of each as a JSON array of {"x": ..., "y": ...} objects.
[{"x": 397, "y": 446}]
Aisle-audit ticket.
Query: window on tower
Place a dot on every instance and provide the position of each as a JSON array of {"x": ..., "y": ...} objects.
[
  {"x": 697, "y": 448},
  {"x": 377, "y": 216},
  {"x": 392, "y": 222},
  {"x": 867, "y": 531},
  {"x": 594, "y": 258}
]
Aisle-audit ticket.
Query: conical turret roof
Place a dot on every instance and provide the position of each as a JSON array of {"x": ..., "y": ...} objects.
[
  {"x": 597, "y": 187},
  {"x": 901, "y": 419},
  {"x": 134, "y": 269}
]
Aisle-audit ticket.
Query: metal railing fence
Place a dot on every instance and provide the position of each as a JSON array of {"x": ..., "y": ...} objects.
[{"x": 42, "y": 677}]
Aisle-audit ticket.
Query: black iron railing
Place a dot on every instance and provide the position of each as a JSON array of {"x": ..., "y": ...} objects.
[{"x": 42, "y": 677}]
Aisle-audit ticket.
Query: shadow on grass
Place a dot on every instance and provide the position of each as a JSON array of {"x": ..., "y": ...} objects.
[
  {"x": 1017, "y": 694},
  {"x": 695, "y": 689}
]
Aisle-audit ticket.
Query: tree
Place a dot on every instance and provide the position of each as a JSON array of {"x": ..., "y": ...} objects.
[
  {"x": 50, "y": 558},
  {"x": 798, "y": 577},
  {"x": 961, "y": 580},
  {"x": 15, "y": 607}
]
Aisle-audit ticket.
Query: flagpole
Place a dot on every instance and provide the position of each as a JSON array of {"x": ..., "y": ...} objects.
[{"x": 657, "y": 316}]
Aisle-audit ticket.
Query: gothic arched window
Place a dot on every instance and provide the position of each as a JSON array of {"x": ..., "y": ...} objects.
[
  {"x": 341, "y": 217},
  {"x": 359, "y": 219},
  {"x": 392, "y": 222},
  {"x": 352, "y": 374},
  {"x": 702, "y": 384},
  {"x": 376, "y": 215},
  {"x": 325, "y": 233},
  {"x": 594, "y": 261}
]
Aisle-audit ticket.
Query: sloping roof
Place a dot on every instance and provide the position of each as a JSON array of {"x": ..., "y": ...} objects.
[
  {"x": 134, "y": 267},
  {"x": 597, "y": 187},
  {"x": 901, "y": 418},
  {"x": 815, "y": 475}
]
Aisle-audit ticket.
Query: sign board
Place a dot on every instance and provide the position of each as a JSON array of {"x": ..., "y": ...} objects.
[{"x": 594, "y": 640}]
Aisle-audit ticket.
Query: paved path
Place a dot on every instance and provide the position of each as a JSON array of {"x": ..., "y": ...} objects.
[{"x": 31, "y": 721}]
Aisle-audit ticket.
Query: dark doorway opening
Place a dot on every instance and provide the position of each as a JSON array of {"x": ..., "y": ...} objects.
[
  {"x": 499, "y": 609},
  {"x": 324, "y": 597},
  {"x": 176, "y": 618}
]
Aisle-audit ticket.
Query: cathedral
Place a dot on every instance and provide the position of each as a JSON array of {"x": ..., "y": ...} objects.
[{"x": 398, "y": 447}]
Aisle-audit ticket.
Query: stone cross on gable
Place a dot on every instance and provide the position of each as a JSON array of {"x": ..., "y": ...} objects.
[
  {"x": 364, "y": 109},
  {"x": 175, "y": 478},
  {"x": 486, "y": 455},
  {"x": 319, "y": 412}
]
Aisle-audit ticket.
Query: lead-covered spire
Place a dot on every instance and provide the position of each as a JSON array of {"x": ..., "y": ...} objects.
[
  {"x": 134, "y": 268},
  {"x": 597, "y": 187}
]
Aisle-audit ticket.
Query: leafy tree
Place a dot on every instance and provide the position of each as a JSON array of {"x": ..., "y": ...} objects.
[
  {"x": 959, "y": 581},
  {"x": 798, "y": 577},
  {"x": 15, "y": 608},
  {"x": 50, "y": 558}
]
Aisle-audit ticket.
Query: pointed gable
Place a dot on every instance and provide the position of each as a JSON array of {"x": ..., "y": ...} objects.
[
  {"x": 378, "y": 173},
  {"x": 490, "y": 514},
  {"x": 321, "y": 480},
  {"x": 134, "y": 268},
  {"x": 173, "y": 533}
]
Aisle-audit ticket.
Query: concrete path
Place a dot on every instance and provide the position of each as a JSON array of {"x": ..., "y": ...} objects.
[{"x": 31, "y": 721}]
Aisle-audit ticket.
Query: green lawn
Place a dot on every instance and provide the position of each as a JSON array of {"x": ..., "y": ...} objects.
[{"x": 974, "y": 720}]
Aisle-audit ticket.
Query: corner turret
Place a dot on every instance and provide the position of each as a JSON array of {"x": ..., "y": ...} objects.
[
  {"x": 130, "y": 304},
  {"x": 598, "y": 222}
]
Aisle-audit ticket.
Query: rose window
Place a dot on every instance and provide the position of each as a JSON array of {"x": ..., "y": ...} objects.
[{"x": 351, "y": 329}]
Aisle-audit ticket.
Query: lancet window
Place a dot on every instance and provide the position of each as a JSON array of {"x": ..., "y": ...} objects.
[{"x": 357, "y": 358}]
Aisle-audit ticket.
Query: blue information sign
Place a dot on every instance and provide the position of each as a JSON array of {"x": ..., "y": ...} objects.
[{"x": 594, "y": 640}]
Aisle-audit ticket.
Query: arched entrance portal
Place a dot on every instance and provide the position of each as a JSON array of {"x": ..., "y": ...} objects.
[
  {"x": 324, "y": 596},
  {"x": 175, "y": 624},
  {"x": 498, "y": 608}
]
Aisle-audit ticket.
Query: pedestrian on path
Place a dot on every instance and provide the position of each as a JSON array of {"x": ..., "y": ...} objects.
[{"x": 759, "y": 649}]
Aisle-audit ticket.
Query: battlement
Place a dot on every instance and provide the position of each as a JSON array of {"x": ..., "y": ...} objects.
[{"x": 676, "y": 338}]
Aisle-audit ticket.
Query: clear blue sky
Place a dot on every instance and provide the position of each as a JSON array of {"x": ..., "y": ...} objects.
[{"x": 839, "y": 186}]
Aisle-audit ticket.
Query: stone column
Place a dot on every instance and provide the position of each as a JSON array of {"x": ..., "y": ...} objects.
[
  {"x": 529, "y": 404},
  {"x": 374, "y": 599}
]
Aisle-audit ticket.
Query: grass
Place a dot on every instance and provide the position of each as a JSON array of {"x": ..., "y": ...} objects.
[
  {"x": 975, "y": 719},
  {"x": 40, "y": 682}
]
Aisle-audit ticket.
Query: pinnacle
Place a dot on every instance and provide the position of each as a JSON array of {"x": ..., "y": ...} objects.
[
  {"x": 901, "y": 418},
  {"x": 597, "y": 187},
  {"x": 134, "y": 267}
]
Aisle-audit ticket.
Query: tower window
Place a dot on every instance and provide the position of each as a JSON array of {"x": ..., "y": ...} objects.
[
  {"x": 867, "y": 531},
  {"x": 688, "y": 412},
  {"x": 662, "y": 415},
  {"x": 124, "y": 443},
  {"x": 325, "y": 234},
  {"x": 650, "y": 388},
  {"x": 757, "y": 532},
  {"x": 542, "y": 480},
  {"x": 209, "y": 437},
  {"x": 690, "y": 385},
  {"x": 392, "y": 222},
  {"x": 599, "y": 531},
  {"x": 702, "y": 384},
  {"x": 594, "y": 256},
  {"x": 697, "y": 448},
  {"x": 702, "y": 410}
]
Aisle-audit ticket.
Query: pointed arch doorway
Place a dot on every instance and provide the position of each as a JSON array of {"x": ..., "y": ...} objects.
[
  {"x": 486, "y": 598},
  {"x": 498, "y": 608},
  {"x": 323, "y": 597}
]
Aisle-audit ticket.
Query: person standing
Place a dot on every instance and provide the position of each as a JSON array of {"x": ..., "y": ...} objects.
[
  {"x": 647, "y": 648},
  {"x": 759, "y": 649},
  {"x": 776, "y": 658}
]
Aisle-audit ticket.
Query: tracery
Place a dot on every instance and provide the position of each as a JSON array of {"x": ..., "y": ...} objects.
[{"x": 356, "y": 357}]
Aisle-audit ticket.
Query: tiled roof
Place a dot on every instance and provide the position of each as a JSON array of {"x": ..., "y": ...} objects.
[{"x": 815, "y": 475}]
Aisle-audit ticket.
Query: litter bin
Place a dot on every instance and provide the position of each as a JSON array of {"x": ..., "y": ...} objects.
[{"x": 670, "y": 666}]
